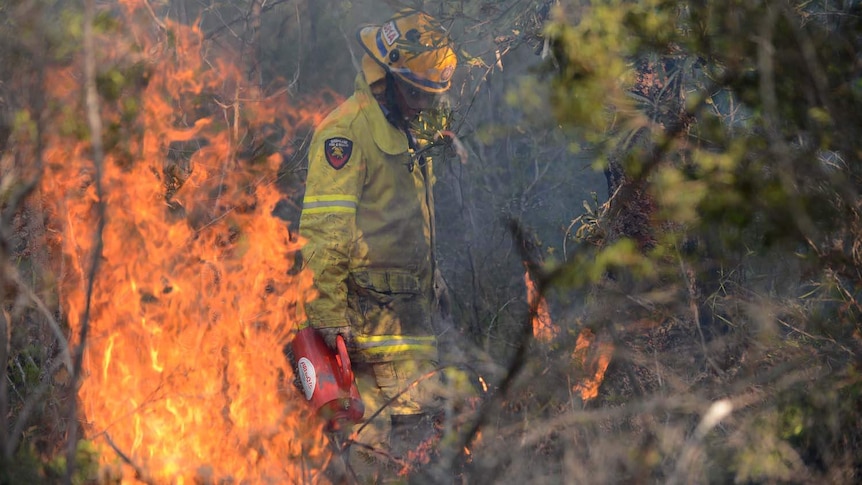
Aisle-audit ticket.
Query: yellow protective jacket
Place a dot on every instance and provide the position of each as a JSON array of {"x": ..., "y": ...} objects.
[{"x": 367, "y": 220}]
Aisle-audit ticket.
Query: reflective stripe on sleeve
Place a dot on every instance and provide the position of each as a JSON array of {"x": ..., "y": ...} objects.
[{"x": 329, "y": 203}]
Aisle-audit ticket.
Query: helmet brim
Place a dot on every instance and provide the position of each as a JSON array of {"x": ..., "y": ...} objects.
[{"x": 367, "y": 38}]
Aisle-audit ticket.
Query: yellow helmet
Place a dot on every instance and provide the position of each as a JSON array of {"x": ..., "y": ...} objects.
[{"x": 414, "y": 47}]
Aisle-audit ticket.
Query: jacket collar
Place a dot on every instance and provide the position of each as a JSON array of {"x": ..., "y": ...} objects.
[{"x": 389, "y": 139}]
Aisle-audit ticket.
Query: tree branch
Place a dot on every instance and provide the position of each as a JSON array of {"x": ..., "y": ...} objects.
[{"x": 94, "y": 121}]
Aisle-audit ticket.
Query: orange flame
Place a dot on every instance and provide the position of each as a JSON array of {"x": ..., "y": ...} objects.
[
  {"x": 594, "y": 357},
  {"x": 544, "y": 330},
  {"x": 184, "y": 372},
  {"x": 591, "y": 355}
]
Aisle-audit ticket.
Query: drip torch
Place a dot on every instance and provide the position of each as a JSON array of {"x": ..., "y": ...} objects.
[{"x": 326, "y": 378}]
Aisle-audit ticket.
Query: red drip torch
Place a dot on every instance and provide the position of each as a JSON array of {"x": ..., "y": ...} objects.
[{"x": 327, "y": 378}]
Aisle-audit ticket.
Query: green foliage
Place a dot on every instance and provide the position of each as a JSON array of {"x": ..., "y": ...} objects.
[
  {"x": 754, "y": 155},
  {"x": 594, "y": 68},
  {"x": 28, "y": 467},
  {"x": 24, "y": 126},
  {"x": 621, "y": 255},
  {"x": 26, "y": 368},
  {"x": 86, "y": 464}
]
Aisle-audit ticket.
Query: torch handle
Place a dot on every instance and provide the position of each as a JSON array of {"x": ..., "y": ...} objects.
[{"x": 344, "y": 361}]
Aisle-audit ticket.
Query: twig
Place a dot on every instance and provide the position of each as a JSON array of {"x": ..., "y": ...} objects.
[
  {"x": 43, "y": 309},
  {"x": 816, "y": 337},
  {"x": 94, "y": 121},
  {"x": 342, "y": 450},
  {"x": 34, "y": 399},
  {"x": 153, "y": 14},
  {"x": 695, "y": 312},
  {"x": 5, "y": 337},
  {"x": 14, "y": 388},
  {"x": 388, "y": 403},
  {"x": 139, "y": 472},
  {"x": 493, "y": 321},
  {"x": 227, "y": 24}
]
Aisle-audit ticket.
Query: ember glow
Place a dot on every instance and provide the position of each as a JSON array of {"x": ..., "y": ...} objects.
[{"x": 184, "y": 378}]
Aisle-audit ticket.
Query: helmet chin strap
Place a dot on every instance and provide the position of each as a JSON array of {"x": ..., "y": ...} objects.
[{"x": 395, "y": 116}]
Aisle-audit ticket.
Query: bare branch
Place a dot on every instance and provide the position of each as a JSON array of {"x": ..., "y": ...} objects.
[
  {"x": 65, "y": 356},
  {"x": 94, "y": 121}
]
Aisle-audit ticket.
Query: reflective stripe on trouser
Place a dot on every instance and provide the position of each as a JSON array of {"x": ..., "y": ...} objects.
[{"x": 385, "y": 348}]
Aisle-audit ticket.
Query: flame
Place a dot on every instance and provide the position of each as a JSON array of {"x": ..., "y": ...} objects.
[
  {"x": 544, "y": 330},
  {"x": 184, "y": 377},
  {"x": 591, "y": 354},
  {"x": 483, "y": 384},
  {"x": 594, "y": 356}
]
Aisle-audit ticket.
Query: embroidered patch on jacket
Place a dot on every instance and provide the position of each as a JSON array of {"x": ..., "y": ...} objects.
[{"x": 337, "y": 151}]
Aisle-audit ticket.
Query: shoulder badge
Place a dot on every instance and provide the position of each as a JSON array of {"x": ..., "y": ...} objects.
[{"x": 337, "y": 151}]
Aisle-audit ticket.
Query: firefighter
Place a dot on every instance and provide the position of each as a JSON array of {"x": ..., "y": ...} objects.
[{"x": 368, "y": 225}]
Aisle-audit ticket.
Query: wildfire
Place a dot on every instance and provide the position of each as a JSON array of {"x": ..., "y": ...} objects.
[
  {"x": 591, "y": 354},
  {"x": 184, "y": 376}
]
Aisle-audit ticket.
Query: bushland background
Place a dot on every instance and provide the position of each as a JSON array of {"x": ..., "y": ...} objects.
[{"x": 680, "y": 178}]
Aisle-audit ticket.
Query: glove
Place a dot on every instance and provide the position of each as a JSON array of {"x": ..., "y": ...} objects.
[{"x": 331, "y": 333}]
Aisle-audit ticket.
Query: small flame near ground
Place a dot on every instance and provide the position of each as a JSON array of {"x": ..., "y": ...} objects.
[
  {"x": 544, "y": 329},
  {"x": 184, "y": 374},
  {"x": 594, "y": 356},
  {"x": 591, "y": 354}
]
